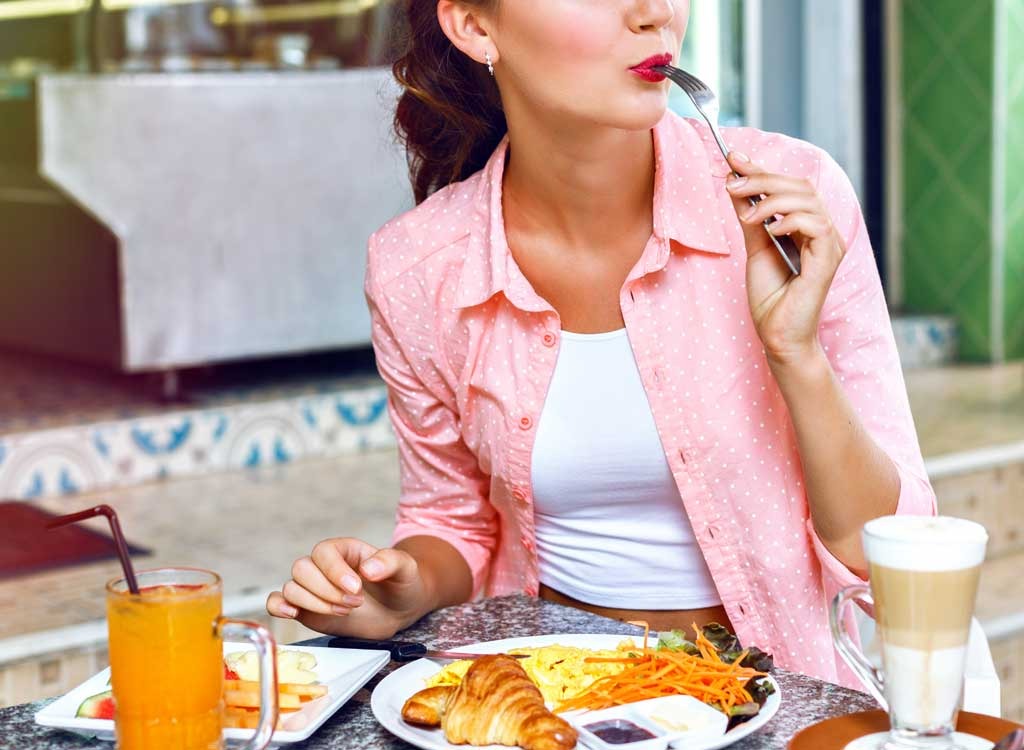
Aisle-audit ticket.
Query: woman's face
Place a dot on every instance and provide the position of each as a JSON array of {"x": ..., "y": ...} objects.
[{"x": 573, "y": 58}]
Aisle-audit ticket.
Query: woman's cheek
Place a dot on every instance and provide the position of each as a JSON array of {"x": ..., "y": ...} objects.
[
  {"x": 571, "y": 31},
  {"x": 589, "y": 42}
]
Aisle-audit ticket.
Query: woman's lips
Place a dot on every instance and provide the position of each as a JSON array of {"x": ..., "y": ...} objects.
[
  {"x": 649, "y": 75},
  {"x": 644, "y": 69}
]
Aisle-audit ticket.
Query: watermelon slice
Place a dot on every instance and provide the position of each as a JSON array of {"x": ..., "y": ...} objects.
[{"x": 99, "y": 706}]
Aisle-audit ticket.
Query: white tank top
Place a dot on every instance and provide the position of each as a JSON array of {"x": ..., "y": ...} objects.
[{"x": 611, "y": 527}]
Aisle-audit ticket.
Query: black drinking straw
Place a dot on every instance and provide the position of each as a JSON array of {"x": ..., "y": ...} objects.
[{"x": 115, "y": 529}]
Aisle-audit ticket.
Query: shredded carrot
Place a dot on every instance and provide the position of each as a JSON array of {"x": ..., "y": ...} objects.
[
  {"x": 656, "y": 673},
  {"x": 643, "y": 624}
]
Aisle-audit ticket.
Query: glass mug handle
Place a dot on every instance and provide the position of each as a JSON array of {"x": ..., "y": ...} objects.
[
  {"x": 254, "y": 633},
  {"x": 872, "y": 678}
]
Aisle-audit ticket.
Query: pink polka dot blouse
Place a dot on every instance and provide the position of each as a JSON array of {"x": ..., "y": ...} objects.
[{"x": 467, "y": 349}]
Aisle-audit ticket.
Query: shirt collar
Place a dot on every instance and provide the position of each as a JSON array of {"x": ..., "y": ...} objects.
[{"x": 686, "y": 210}]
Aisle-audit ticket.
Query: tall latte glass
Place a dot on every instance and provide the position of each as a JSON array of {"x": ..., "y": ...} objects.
[{"x": 924, "y": 578}]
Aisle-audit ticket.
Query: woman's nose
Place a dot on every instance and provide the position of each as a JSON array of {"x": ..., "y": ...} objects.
[{"x": 648, "y": 15}]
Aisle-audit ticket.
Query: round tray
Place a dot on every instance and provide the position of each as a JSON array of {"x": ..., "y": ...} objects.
[{"x": 840, "y": 731}]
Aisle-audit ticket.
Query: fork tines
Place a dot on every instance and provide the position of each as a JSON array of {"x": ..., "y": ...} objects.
[{"x": 690, "y": 83}]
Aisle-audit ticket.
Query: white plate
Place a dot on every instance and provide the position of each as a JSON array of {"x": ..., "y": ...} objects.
[
  {"x": 391, "y": 693},
  {"x": 342, "y": 670}
]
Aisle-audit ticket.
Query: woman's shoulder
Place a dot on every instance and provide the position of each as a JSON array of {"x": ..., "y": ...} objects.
[
  {"x": 409, "y": 239},
  {"x": 775, "y": 152}
]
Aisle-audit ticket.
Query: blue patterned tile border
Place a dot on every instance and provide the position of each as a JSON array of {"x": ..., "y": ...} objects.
[
  {"x": 90, "y": 457},
  {"x": 925, "y": 340}
]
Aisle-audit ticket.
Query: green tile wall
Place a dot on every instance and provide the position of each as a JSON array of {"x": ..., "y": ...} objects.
[
  {"x": 950, "y": 148},
  {"x": 947, "y": 163},
  {"x": 1013, "y": 266}
]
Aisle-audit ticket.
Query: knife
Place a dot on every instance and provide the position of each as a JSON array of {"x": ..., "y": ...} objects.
[{"x": 406, "y": 650}]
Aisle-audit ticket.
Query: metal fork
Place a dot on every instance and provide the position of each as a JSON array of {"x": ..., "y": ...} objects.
[{"x": 706, "y": 102}]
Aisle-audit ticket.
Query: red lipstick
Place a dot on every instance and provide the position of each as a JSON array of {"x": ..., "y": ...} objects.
[{"x": 644, "y": 69}]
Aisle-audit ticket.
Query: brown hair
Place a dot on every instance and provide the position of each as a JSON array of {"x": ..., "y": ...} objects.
[{"x": 449, "y": 116}]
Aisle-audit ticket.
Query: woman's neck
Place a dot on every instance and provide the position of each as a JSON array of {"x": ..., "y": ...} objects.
[{"x": 582, "y": 189}]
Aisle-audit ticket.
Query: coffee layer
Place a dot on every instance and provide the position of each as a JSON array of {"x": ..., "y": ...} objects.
[{"x": 924, "y": 610}]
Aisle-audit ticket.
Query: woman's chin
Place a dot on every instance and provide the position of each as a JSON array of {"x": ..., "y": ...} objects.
[{"x": 641, "y": 113}]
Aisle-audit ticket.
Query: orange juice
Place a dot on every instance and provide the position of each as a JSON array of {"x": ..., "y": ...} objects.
[{"x": 166, "y": 661}]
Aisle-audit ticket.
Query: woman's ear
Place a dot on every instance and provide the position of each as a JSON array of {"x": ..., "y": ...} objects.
[{"x": 467, "y": 29}]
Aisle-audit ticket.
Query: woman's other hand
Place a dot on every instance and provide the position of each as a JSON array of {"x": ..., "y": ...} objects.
[
  {"x": 785, "y": 308},
  {"x": 346, "y": 586}
]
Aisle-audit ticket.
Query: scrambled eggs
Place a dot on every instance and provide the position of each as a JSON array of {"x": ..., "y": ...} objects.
[{"x": 559, "y": 671}]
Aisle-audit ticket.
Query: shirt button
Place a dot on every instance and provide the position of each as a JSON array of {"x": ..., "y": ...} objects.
[
  {"x": 518, "y": 495},
  {"x": 549, "y": 339},
  {"x": 525, "y": 423}
]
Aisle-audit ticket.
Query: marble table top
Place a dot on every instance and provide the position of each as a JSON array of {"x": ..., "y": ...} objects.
[{"x": 805, "y": 700}]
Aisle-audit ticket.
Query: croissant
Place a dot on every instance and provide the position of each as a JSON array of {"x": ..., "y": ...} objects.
[
  {"x": 427, "y": 706},
  {"x": 496, "y": 704}
]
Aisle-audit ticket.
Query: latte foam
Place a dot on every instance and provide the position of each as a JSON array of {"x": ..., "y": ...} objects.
[{"x": 924, "y": 543}]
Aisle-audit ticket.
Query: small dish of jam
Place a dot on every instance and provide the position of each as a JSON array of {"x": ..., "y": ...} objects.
[
  {"x": 618, "y": 728},
  {"x": 619, "y": 731},
  {"x": 650, "y": 724}
]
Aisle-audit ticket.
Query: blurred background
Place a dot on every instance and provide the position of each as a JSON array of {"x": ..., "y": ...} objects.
[{"x": 186, "y": 190}]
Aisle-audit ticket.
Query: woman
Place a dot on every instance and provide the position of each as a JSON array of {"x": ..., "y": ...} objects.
[{"x": 606, "y": 388}]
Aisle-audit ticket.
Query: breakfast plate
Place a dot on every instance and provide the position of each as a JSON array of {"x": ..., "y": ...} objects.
[
  {"x": 391, "y": 693},
  {"x": 342, "y": 671}
]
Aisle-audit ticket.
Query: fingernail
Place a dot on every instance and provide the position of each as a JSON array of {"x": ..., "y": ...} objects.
[
  {"x": 342, "y": 611},
  {"x": 350, "y": 582},
  {"x": 352, "y": 601},
  {"x": 773, "y": 226},
  {"x": 739, "y": 156},
  {"x": 372, "y": 567},
  {"x": 289, "y": 611},
  {"x": 748, "y": 213},
  {"x": 736, "y": 183}
]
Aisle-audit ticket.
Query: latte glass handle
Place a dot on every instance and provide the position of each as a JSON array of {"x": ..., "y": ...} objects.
[{"x": 872, "y": 678}]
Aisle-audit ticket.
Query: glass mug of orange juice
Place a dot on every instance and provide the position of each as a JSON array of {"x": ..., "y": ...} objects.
[{"x": 167, "y": 663}]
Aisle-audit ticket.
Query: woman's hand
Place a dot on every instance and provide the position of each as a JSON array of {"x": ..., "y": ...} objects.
[
  {"x": 349, "y": 587},
  {"x": 785, "y": 308}
]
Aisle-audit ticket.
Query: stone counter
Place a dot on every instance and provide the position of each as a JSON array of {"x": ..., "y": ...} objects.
[{"x": 805, "y": 700}]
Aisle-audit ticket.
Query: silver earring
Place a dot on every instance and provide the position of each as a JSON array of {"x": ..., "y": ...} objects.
[{"x": 490, "y": 64}]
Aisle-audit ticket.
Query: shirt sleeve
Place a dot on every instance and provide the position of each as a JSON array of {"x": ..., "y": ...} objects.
[
  {"x": 856, "y": 334},
  {"x": 443, "y": 491}
]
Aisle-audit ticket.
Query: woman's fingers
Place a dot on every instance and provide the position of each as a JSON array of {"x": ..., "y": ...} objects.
[
  {"x": 742, "y": 165},
  {"x": 389, "y": 564},
  {"x": 277, "y": 606},
  {"x": 331, "y": 581},
  {"x": 339, "y": 559},
  {"x": 310, "y": 576},
  {"x": 811, "y": 225},
  {"x": 280, "y": 604},
  {"x": 793, "y": 202},
  {"x": 754, "y": 180},
  {"x": 324, "y": 582},
  {"x": 782, "y": 195},
  {"x": 765, "y": 183},
  {"x": 780, "y": 204},
  {"x": 302, "y": 598}
]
